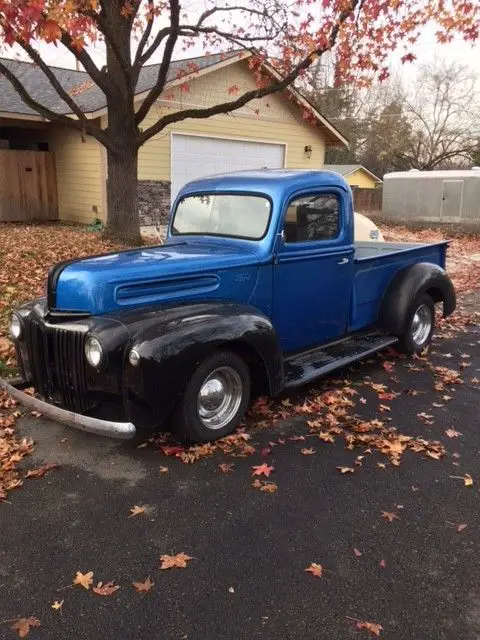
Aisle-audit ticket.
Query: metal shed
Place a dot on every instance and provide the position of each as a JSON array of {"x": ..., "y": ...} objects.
[{"x": 433, "y": 197}]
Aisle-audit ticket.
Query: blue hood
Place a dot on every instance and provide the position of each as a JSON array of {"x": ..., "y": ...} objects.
[{"x": 153, "y": 275}]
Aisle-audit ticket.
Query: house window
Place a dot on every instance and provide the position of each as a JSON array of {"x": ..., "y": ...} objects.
[{"x": 312, "y": 218}]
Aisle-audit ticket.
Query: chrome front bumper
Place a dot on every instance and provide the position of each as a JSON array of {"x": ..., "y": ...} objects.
[{"x": 119, "y": 430}]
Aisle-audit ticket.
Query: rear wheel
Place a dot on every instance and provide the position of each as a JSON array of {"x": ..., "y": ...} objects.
[
  {"x": 420, "y": 326},
  {"x": 215, "y": 399}
]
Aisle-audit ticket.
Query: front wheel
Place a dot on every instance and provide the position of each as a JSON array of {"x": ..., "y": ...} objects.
[
  {"x": 215, "y": 399},
  {"x": 420, "y": 326}
]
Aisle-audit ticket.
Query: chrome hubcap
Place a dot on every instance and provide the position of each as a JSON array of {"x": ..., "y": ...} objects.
[
  {"x": 421, "y": 324},
  {"x": 219, "y": 397}
]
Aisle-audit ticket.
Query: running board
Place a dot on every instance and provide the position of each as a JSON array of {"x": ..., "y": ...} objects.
[{"x": 308, "y": 365}]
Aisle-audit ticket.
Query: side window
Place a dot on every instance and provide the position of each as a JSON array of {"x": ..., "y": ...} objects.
[{"x": 312, "y": 218}]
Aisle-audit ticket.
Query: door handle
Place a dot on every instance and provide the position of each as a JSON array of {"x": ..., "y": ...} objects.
[{"x": 343, "y": 261}]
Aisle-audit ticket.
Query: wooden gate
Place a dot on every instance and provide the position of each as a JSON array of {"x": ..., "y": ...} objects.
[{"x": 28, "y": 186}]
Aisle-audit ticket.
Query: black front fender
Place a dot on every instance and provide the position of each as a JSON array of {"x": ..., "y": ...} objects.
[
  {"x": 171, "y": 342},
  {"x": 410, "y": 284}
]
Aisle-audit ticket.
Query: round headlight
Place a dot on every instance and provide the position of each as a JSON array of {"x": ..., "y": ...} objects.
[
  {"x": 15, "y": 327},
  {"x": 93, "y": 351},
  {"x": 134, "y": 358}
]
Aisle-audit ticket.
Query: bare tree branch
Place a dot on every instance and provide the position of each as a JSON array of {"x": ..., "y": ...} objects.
[
  {"x": 137, "y": 65},
  {"x": 97, "y": 75},
  {"x": 35, "y": 56},
  {"x": 275, "y": 87},
  {"x": 164, "y": 66}
]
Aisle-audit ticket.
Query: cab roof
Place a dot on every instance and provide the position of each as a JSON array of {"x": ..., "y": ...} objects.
[{"x": 273, "y": 182}]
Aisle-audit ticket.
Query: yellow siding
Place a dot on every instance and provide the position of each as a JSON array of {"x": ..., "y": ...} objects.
[
  {"x": 360, "y": 178},
  {"x": 276, "y": 121},
  {"x": 79, "y": 175}
]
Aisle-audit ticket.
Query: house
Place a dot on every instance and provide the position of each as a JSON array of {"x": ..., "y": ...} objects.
[
  {"x": 356, "y": 175},
  {"x": 270, "y": 132}
]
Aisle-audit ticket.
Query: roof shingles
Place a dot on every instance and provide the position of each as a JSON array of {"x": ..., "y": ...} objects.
[{"x": 86, "y": 94}]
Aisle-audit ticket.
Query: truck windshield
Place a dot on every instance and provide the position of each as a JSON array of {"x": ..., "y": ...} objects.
[{"x": 220, "y": 214}]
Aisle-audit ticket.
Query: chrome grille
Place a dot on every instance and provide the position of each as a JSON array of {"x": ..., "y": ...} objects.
[{"x": 57, "y": 363}]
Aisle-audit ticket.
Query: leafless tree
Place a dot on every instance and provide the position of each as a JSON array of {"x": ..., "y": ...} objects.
[{"x": 442, "y": 106}]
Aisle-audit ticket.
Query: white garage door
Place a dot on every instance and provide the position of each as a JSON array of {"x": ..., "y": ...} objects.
[{"x": 197, "y": 156}]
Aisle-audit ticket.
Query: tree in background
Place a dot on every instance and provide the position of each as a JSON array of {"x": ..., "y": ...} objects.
[
  {"x": 291, "y": 35},
  {"x": 387, "y": 138},
  {"x": 442, "y": 107},
  {"x": 429, "y": 122}
]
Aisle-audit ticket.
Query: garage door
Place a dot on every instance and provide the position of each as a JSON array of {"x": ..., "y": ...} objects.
[{"x": 197, "y": 156}]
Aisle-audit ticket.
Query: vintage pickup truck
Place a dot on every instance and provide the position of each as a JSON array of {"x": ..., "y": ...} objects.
[{"x": 259, "y": 287}]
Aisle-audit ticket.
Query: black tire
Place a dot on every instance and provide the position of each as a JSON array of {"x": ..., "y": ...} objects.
[
  {"x": 414, "y": 341},
  {"x": 228, "y": 367}
]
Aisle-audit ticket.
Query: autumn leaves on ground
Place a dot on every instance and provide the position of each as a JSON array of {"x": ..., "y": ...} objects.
[{"x": 326, "y": 412}]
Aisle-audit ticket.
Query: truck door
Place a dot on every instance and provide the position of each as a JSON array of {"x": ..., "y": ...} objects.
[{"x": 313, "y": 271}]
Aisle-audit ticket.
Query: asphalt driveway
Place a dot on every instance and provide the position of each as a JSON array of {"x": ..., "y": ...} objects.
[{"x": 417, "y": 576}]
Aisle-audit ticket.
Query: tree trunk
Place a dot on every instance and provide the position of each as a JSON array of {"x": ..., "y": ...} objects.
[{"x": 123, "y": 224}]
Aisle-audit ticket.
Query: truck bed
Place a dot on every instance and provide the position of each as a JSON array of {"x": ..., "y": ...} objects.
[
  {"x": 365, "y": 250},
  {"x": 375, "y": 265}
]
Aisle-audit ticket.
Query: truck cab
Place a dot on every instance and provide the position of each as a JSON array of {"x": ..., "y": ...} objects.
[{"x": 260, "y": 285}]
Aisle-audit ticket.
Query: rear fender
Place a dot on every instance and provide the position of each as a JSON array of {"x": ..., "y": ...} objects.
[
  {"x": 410, "y": 284},
  {"x": 172, "y": 342}
]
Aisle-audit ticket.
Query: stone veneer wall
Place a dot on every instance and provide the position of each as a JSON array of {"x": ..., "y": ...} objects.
[{"x": 153, "y": 201}]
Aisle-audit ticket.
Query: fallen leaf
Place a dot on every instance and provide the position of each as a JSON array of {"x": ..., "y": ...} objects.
[
  {"x": 413, "y": 488},
  {"x": 171, "y": 451},
  {"x": 265, "y": 451},
  {"x": 382, "y": 564},
  {"x": 467, "y": 478},
  {"x": 390, "y": 516},
  {"x": 296, "y": 438},
  {"x": 452, "y": 433},
  {"x": 22, "y": 625},
  {"x": 143, "y": 445},
  {"x": 269, "y": 487},
  {"x": 315, "y": 569},
  {"x": 326, "y": 437},
  {"x": 41, "y": 471},
  {"x": 226, "y": 467},
  {"x": 231, "y": 590},
  {"x": 257, "y": 484},
  {"x": 373, "y": 627},
  {"x": 308, "y": 452},
  {"x": 143, "y": 587},
  {"x": 424, "y": 416},
  {"x": 136, "y": 511},
  {"x": 381, "y": 465},
  {"x": 57, "y": 605},
  {"x": 106, "y": 589},
  {"x": 357, "y": 552},
  {"x": 179, "y": 560},
  {"x": 262, "y": 469},
  {"x": 458, "y": 527},
  {"x": 84, "y": 579},
  {"x": 346, "y": 469}
]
